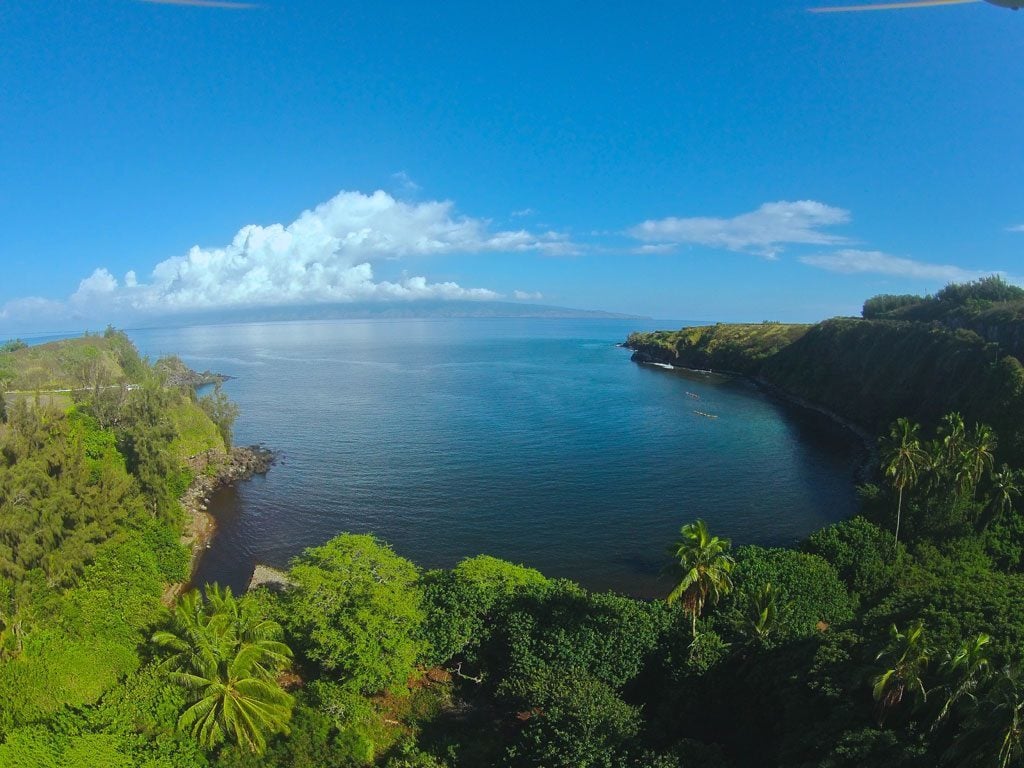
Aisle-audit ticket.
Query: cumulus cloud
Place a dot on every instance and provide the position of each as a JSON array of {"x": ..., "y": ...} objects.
[
  {"x": 527, "y": 295},
  {"x": 325, "y": 255},
  {"x": 763, "y": 232},
  {"x": 851, "y": 262}
]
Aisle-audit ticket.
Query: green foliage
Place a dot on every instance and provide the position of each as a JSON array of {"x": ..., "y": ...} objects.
[
  {"x": 227, "y": 656},
  {"x": 357, "y": 612},
  {"x": 809, "y": 585},
  {"x": 738, "y": 348},
  {"x": 862, "y": 554},
  {"x": 881, "y": 306},
  {"x": 64, "y": 490},
  {"x": 908, "y": 655},
  {"x": 705, "y": 651},
  {"x": 85, "y": 639},
  {"x": 462, "y": 604},
  {"x": 353, "y": 718},
  {"x": 874, "y": 371},
  {"x": 576, "y": 720},
  {"x": 195, "y": 429},
  {"x": 12, "y": 345},
  {"x": 603, "y": 636},
  {"x": 145, "y": 437},
  {"x": 32, "y": 747},
  {"x": 221, "y": 411},
  {"x": 955, "y": 303},
  {"x": 87, "y": 362},
  {"x": 703, "y": 568}
]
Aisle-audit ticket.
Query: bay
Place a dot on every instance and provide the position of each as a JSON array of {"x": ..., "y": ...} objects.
[{"x": 533, "y": 440}]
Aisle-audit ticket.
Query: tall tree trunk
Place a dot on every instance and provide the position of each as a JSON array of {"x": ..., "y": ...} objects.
[
  {"x": 693, "y": 623},
  {"x": 899, "y": 511}
]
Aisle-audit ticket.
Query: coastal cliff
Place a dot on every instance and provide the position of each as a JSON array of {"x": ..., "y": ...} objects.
[{"x": 869, "y": 372}]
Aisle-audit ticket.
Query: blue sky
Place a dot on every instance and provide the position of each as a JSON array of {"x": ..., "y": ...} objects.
[{"x": 735, "y": 161}]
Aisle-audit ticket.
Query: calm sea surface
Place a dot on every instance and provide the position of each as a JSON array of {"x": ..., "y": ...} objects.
[{"x": 537, "y": 441}]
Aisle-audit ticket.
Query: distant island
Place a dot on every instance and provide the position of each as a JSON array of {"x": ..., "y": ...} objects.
[{"x": 394, "y": 310}]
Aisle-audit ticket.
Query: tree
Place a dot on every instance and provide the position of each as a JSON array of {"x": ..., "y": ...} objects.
[
  {"x": 222, "y": 412},
  {"x": 764, "y": 607},
  {"x": 992, "y": 735},
  {"x": 705, "y": 565},
  {"x": 952, "y": 436},
  {"x": 909, "y": 655},
  {"x": 902, "y": 460},
  {"x": 357, "y": 611},
  {"x": 1005, "y": 491},
  {"x": 227, "y": 656},
  {"x": 815, "y": 597},
  {"x": 964, "y": 668},
  {"x": 976, "y": 458}
]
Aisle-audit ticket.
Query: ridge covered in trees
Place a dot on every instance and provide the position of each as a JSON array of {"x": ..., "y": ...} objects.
[
  {"x": 891, "y": 639},
  {"x": 963, "y": 355}
]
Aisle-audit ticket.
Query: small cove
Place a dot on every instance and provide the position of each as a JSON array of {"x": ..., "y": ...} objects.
[{"x": 537, "y": 441}]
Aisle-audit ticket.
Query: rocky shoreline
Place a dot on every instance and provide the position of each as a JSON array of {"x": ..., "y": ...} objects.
[{"x": 211, "y": 471}]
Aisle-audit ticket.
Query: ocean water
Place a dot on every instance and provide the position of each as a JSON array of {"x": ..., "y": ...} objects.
[{"x": 537, "y": 441}]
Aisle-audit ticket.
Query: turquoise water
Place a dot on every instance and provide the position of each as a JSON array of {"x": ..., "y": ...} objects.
[{"x": 538, "y": 441}]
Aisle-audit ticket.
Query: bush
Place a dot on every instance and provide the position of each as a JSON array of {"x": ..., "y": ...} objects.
[
  {"x": 461, "y": 603},
  {"x": 605, "y": 636},
  {"x": 861, "y": 552},
  {"x": 809, "y": 588},
  {"x": 356, "y": 611},
  {"x": 575, "y": 721}
]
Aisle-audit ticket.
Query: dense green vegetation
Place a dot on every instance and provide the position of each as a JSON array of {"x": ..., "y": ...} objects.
[
  {"x": 891, "y": 639},
  {"x": 963, "y": 357}
]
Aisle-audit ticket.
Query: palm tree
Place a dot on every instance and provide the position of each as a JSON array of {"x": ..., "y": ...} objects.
[
  {"x": 976, "y": 458},
  {"x": 902, "y": 460},
  {"x": 705, "y": 565},
  {"x": 953, "y": 433},
  {"x": 909, "y": 655},
  {"x": 1005, "y": 491},
  {"x": 993, "y": 733},
  {"x": 764, "y": 610},
  {"x": 965, "y": 669},
  {"x": 227, "y": 656}
]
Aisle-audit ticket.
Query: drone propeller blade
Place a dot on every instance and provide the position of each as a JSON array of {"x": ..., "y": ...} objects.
[
  {"x": 232, "y": 5},
  {"x": 888, "y": 6}
]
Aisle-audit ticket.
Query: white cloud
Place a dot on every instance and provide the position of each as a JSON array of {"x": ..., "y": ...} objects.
[
  {"x": 405, "y": 182},
  {"x": 523, "y": 212},
  {"x": 763, "y": 232},
  {"x": 325, "y": 255},
  {"x": 527, "y": 296},
  {"x": 1017, "y": 228},
  {"x": 852, "y": 262},
  {"x": 655, "y": 248}
]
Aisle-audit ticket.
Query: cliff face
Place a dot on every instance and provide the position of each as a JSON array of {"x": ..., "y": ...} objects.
[
  {"x": 732, "y": 348},
  {"x": 868, "y": 371}
]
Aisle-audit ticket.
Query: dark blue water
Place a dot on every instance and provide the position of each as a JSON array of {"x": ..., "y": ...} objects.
[{"x": 537, "y": 441}]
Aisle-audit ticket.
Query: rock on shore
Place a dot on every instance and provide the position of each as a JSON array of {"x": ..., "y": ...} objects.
[{"x": 213, "y": 470}]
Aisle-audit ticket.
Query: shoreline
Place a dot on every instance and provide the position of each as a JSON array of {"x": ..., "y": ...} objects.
[
  {"x": 865, "y": 468},
  {"x": 212, "y": 471}
]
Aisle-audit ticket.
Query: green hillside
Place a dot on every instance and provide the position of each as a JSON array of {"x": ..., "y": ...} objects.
[
  {"x": 874, "y": 370},
  {"x": 84, "y": 362}
]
